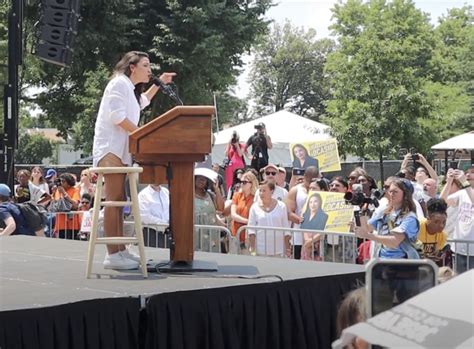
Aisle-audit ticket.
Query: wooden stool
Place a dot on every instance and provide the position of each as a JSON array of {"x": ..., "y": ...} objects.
[{"x": 132, "y": 173}]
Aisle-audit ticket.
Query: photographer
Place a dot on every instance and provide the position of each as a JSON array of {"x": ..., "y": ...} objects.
[
  {"x": 260, "y": 143},
  {"x": 234, "y": 159}
]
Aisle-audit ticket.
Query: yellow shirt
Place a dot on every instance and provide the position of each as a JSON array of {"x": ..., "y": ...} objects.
[{"x": 431, "y": 242}]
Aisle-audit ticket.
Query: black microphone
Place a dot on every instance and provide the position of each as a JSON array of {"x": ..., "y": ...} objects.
[{"x": 166, "y": 89}]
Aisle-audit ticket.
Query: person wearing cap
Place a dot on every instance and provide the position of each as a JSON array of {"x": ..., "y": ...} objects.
[
  {"x": 10, "y": 215},
  {"x": 281, "y": 178},
  {"x": 269, "y": 173},
  {"x": 397, "y": 227},
  {"x": 260, "y": 143}
]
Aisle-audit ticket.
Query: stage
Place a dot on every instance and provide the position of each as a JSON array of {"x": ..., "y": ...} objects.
[{"x": 46, "y": 302}]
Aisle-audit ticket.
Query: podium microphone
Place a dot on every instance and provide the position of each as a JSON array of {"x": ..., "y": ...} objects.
[{"x": 167, "y": 89}]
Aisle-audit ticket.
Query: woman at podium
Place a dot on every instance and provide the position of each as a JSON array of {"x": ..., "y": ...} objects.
[{"x": 119, "y": 112}]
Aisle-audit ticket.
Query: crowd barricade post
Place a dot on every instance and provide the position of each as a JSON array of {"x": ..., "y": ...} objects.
[
  {"x": 456, "y": 245},
  {"x": 219, "y": 236},
  {"x": 315, "y": 253}
]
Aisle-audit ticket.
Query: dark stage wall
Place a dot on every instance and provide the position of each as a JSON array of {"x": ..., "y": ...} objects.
[{"x": 290, "y": 314}]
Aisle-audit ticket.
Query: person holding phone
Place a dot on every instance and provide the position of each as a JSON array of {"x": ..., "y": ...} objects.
[
  {"x": 397, "y": 227},
  {"x": 463, "y": 202},
  {"x": 234, "y": 153}
]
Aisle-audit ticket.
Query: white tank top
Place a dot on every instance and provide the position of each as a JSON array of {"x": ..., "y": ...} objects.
[{"x": 301, "y": 196}]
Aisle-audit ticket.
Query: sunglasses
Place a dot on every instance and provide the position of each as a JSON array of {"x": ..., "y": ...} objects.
[
  {"x": 270, "y": 173},
  {"x": 245, "y": 182}
]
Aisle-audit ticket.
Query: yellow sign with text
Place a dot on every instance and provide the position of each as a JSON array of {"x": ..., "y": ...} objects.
[
  {"x": 322, "y": 154},
  {"x": 326, "y": 211}
]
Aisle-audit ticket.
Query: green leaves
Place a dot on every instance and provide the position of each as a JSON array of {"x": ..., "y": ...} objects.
[
  {"x": 287, "y": 72},
  {"x": 378, "y": 77}
]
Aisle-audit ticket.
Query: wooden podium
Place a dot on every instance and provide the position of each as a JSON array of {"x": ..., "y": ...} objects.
[{"x": 167, "y": 148}]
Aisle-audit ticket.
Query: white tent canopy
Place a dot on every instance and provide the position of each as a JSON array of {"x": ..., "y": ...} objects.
[
  {"x": 283, "y": 127},
  {"x": 464, "y": 141}
]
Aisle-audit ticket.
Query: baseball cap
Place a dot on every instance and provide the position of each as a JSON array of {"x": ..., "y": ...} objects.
[
  {"x": 270, "y": 166},
  {"x": 4, "y": 190},
  {"x": 50, "y": 173},
  {"x": 409, "y": 185},
  {"x": 281, "y": 169}
]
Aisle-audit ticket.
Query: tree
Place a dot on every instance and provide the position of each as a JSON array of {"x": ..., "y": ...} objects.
[
  {"x": 287, "y": 72},
  {"x": 32, "y": 149},
  {"x": 201, "y": 41},
  {"x": 377, "y": 77},
  {"x": 451, "y": 90}
]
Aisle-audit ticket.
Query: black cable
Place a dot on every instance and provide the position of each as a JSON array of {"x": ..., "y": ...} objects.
[{"x": 223, "y": 276}]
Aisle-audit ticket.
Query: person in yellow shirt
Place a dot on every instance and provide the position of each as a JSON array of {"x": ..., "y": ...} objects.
[{"x": 431, "y": 233}]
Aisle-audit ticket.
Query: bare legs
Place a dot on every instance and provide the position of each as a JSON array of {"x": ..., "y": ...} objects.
[{"x": 113, "y": 216}]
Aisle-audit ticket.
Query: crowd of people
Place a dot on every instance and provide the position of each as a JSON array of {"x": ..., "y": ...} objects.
[{"x": 415, "y": 215}]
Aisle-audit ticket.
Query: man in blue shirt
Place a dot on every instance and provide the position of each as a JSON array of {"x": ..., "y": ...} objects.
[{"x": 10, "y": 215}]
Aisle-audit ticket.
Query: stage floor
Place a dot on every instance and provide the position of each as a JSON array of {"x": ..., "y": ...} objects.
[{"x": 37, "y": 272}]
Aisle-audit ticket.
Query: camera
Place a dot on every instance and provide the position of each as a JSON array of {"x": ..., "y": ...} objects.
[
  {"x": 414, "y": 154},
  {"x": 298, "y": 171},
  {"x": 358, "y": 198},
  {"x": 258, "y": 127},
  {"x": 57, "y": 182},
  {"x": 234, "y": 137}
]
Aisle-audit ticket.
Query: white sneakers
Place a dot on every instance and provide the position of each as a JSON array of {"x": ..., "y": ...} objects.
[{"x": 122, "y": 260}]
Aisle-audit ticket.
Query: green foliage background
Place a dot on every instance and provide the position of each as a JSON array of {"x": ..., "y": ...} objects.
[{"x": 387, "y": 79}]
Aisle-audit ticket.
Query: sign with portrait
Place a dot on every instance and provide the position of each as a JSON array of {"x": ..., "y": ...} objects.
[
  {"x": 326, "y": 211},
  {"x": 322, "y": 154}
]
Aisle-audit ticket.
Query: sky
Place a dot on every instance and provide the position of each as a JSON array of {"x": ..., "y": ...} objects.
[{"x": 317, "y": 14}]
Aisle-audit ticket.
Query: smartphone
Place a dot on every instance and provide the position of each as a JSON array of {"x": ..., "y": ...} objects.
[
  {"x": 390, "y": 282},
  {"x": 453, "y": 165},
  {"x": 298, "y": 171}
]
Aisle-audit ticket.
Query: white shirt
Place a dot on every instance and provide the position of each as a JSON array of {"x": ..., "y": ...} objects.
[
  {"x": 301, "y": 196},
  {"x": 464, "y": 225},
  {"x": 154, "y": 205},
  {"x": 118, "y": 103},
  {"x": 269, "y": 242},
  {"x": 35, "y": 192}
]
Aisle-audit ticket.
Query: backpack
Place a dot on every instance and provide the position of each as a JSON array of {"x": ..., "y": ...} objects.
[{"x": 35, "y": 215}]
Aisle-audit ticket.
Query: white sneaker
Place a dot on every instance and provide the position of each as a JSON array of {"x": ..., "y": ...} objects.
[
  {"x": 119, "y": 262},
  {"x": 130, "y": 255}
]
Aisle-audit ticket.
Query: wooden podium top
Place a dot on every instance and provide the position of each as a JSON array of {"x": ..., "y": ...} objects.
[{"x": 182, "y": 134}]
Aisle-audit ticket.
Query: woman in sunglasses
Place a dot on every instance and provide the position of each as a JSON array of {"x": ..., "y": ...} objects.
[{"x": 241, "y": 204}]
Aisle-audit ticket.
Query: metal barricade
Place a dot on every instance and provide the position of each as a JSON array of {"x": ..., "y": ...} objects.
[
  {"x": 208, "y": 238},
  {"x": 463, "y": 259},
  {"x": 317, "y": 245}
]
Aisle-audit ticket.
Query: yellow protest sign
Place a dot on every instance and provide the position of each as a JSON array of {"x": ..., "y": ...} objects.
[
  {"x": 326, "y": 211},
  {"x": 322, "y": 154}
]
